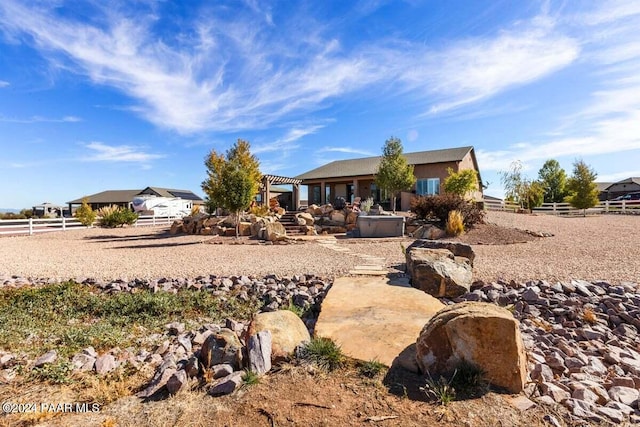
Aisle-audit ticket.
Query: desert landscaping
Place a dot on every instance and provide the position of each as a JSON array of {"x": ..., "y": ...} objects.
[{"x": 570, "y": 284}]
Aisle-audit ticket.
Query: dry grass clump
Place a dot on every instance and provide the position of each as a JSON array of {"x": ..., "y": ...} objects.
[
  {"x": 455, "y": 223},
  {"x": 589, "y": 316}
]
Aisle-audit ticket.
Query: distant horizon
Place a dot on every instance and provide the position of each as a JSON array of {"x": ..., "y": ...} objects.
[{"x": 124, "y": 94}]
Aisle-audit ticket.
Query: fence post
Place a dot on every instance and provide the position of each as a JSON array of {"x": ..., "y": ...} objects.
[
  {"x": 624, "y": 205},
  {"x": 154, "y": 219},
  {"x": 64, "y": 224},
  {"x": 554, "y": 208},
  {"x": 30, "y": 226},
  {"x": 606, "y": 206}
]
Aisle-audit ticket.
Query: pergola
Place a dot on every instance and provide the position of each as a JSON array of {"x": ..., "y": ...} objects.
[{"x": 269, "y": 180}]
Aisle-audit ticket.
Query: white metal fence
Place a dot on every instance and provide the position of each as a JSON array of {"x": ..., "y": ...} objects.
[
  {"x": 41, "y": 225},
  {"x": 609, "y": 206}
]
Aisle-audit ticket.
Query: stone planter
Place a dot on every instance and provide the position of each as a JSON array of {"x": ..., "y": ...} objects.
[{"x": 380, "y": 226}]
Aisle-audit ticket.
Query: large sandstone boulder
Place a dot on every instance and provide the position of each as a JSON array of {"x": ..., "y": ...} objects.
[
  {"x": 438, "y": 272},
  {"x": 352, "y": 217},
  {"x": 176, "y": 227},
  {"x": 456, "y": 248},
  {"x": 245, "y": 229},
  {"x": 287, "y": 331},
  {"x": 337, "y": 217},
  {"x": 482, "y": 334},
  {"x": 274, "y": 231},
  {"x": 221, "y": 347},
  {"x": 307, "y": 217}
]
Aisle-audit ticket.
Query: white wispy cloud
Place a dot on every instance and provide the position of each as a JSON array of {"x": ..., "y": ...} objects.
[
  {"x": 244, "y": 72},
  {"x": 100, "y": 152},
  {"x": 4, "y": 83},
  {"x": 40, "y": 119},
  {"x": 476, "y": 69},
  {"x": 609, "y": 121},
  {"x": 348, "y": 150},
  {"x": 288, "y": 142},
  {"x": 618, "y": 176}
]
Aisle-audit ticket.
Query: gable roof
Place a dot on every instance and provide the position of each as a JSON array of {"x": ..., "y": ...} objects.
[
  {"x": 369, "y": 165},
  {"x": 602, "y": 186},
  {"x": 125, "y": 196},
  {"x": 172, "y": 192},
  {"x": 632, "y": 180}
]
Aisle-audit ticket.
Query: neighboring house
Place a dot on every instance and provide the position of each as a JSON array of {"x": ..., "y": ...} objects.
[
  {"x": 620, "y": 188},
  {"x": 124, "y": 197},
  {"x": 603, "y": 194},
  {"x": 356, "y": 177}
]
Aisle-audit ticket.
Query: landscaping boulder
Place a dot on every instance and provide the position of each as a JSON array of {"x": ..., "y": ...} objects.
[
  {"x": 456, "y": 248},
  {"x": 287, "y": 331},
  {"x": 221, "y": 347},
  {"x": 438, "y": 272},
  {"x": 274, "y": 231},
  {"x": 176, "y": 381},
  {"x": 337, "y": 217},
  {"x": 46, "y": 359},
  {"x": 226, "y": 385},
  {"x": 176, "y": 227},
  {"x": 245, "y": 229},
  {"x": 105, "y": 364},
  {"x": 307, "y": 217},
  {"x": 481, "y": 334},
  {"x": 259, "y": 352}
]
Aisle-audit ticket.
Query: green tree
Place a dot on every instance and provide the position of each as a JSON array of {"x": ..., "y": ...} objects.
[
  {"x": 554, "y": 181},
  {"x": 85, "y": 214},
  {"x": 583, "y": 191},
  {"x": 232, "y": 180},
  {"x": 394, "y": 174},
  {"x": 462, "y": 182},
  {"x": 534, "y": 195},
  {"x": 518, "y": 188}
]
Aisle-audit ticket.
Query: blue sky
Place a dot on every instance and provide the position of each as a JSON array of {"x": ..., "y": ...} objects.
[{"x": 118, "y": 95}]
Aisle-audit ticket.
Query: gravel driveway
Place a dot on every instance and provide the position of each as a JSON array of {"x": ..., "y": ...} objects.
[{"x": 604, "y": 247}]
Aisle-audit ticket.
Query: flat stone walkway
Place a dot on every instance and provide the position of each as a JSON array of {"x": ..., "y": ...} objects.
[
  {"x": 373, "y": 317},
  {"x": 373, "y": 265}
]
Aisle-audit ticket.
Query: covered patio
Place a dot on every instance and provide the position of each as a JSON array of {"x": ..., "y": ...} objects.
[{"x": 271, "y": 180}]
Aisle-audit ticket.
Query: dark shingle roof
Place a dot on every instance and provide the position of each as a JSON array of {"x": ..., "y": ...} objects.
[
  {"x": 125, "y": 196},
  {"x": 369, "y": 165},
  {"x": 602, "y": 186},
  {"x": 109, "y": 196}
]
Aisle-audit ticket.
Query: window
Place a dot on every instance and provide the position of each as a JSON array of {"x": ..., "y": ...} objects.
[{"x": 428, "y": 186}]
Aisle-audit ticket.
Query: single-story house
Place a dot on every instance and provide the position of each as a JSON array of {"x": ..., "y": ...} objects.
[
  {"x": 620, "y": 188},
  {"x": 603, "y": 194},
  {"x": 356, "y": 177},
  {"x": 124, "y": 197}
]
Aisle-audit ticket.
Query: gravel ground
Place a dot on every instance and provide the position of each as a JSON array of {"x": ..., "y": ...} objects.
[{"x": 604, "y": 247}]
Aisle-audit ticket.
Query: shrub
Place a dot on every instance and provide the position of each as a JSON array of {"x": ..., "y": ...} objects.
[
  {"x": 250, "y": 378},
  {"x": 441, "y": 390},
  {"x": 85, "y": 214},
  {"x": 438, "y": 207},
  {"x": 323, "y": 353},
  {"x": 299, "y": 311},
  {"x": 54, "y": 373},
  {"x": 469, "y": 379},
  {"x": 259, "y": 210},
  {"x": 371, "y": 368},
  {"x": 366, "y": 204},
  {"x": 462, "y": 182},
  {"x": 455, "y": 226},
  {"x": 114, "y": 216}
]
